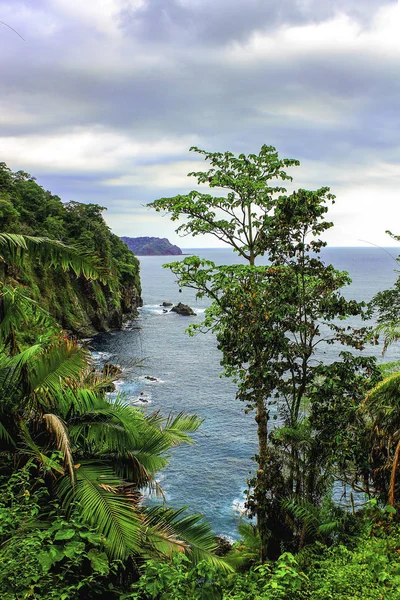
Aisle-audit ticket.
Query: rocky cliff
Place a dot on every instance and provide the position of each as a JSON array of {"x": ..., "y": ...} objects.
[{"x": 82, "y": 306}]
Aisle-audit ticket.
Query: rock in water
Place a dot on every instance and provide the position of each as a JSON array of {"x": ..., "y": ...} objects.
[{"x": 183, "y": 309}]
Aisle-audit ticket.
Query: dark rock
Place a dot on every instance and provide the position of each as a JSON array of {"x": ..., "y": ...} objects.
[
  {"x": 183, "y": 309},
  {"x": 111, "y": 372},
  {"x": 151, "y": 378},
  {"x": 167, "y": 304},
  {"x": 224, "y": 546}
]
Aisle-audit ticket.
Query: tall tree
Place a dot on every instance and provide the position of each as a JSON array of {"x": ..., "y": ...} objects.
[{"x": 269, "y": 320}]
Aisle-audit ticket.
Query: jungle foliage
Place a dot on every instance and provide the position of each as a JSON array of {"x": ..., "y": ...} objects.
[
  {"x": 81, "y": 303},
  {"x": 73, "y": 463}
]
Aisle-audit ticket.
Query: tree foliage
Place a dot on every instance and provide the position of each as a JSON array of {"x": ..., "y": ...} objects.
[{"x": 271, "y": 321}]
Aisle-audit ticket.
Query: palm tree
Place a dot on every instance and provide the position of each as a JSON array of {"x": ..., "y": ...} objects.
[
  {"x": 108, "y": 451},
  {"x": 381, "y": 409}
]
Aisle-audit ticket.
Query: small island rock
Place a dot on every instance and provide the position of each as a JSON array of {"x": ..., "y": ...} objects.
[
  {"x": 166, "y": 304},
  {"x": 151, "y": 246},
  {"x": 183, "y": 309}
]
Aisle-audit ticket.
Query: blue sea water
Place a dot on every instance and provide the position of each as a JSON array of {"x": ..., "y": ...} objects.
[{"x": 165, "y": 369}]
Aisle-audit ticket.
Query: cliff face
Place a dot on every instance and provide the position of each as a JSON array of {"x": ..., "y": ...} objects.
[
  {"x": 79, "y": 305},
  {"x": 151, "y": 246}
]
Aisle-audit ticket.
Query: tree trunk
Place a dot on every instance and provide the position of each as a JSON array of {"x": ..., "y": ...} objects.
[{"x": 259, "y": 494}]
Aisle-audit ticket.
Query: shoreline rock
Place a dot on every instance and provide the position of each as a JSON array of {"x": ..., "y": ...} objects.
[{"x": 183, "y": 309}]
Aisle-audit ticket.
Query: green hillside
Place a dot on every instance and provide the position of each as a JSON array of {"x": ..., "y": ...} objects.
[{"x": 80, "y": 305}]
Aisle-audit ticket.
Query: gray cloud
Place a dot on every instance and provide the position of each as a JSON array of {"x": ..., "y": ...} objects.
[
  {"x": 207, "y": 21},
  {"x": 191, "y": 72}
]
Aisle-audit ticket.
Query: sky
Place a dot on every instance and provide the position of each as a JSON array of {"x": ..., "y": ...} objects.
[{"x": 101, "y": 101}]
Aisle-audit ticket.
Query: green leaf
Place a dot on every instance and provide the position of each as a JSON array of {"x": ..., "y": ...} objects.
[
  {"x": 391, "y": 510},
  {"x": 99, "y": 562},
  {"x": 64, "y": 534},
  {"x": 73, "y": 548}
]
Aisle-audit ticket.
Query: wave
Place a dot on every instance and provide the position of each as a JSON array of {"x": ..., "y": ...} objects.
[
  {"x": 150, "y": 379},
  {"x": 101, "y": 356},
  {"x": 238, "y": 506},
  {"x": 119, "y": 383},
  {"x": 157, "y": 309}
]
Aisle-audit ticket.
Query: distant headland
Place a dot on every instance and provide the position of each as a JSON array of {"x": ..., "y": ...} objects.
[{"x": 151, "y": 246}]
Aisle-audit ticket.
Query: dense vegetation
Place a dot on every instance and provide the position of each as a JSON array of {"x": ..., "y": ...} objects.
[
  {"x": 81, "y": 305},
  {"x": 73, "y": 464},
  {"x": 74, "y": 467}
]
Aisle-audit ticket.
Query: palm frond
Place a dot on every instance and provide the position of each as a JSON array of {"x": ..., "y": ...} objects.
[
  {"x": 63, "y": 361},
  {"x": 385, "y": 391},
  {"x": 13, "y": 372},
  {"x": 17, "y": 309},
  {"x": 306, "y": 512},
  {"x": 99, "y": 437},
  {"x": 34, "y": 451},
  {"x": 110, "y": 512},
  {"x": 177, "y": 427},
  {"x": 57, "y": 427},
  {"x": 250, "y": 535},
  {"x": 297, "y": 434},
  {"x": 393, "y": 475},
  {"x": 75, "y": 403},
  {"x": 132, "y": 468},
  {"x": 173, "y": 530},
  {"x": 4, "y": 435},
  {"x": 330, "y": 527},
  {"x": 249, "y": 550},
  {"x": 391, "y": 333},
  {"x": 55, "y": 254}
]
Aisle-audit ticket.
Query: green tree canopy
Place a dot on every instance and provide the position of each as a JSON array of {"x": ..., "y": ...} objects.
[{"x": 269, "y": 320}]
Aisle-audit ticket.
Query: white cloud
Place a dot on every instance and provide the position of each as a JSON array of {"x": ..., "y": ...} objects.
[
  {"x": 94, "y": 150},
  {"x": 161, "y": 176},
  {"x": 101, "y": 16},
  {"x": 32, "y": 22}
]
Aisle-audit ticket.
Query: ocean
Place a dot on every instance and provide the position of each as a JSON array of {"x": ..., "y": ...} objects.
[{"x": 165, "y": 369}]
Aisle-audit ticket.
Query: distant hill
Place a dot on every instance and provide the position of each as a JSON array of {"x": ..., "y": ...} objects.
[{"x": 151, "y": 246}]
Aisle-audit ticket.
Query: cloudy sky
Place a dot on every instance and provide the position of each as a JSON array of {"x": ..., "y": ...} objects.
[{"x": 102, "y": 100}]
